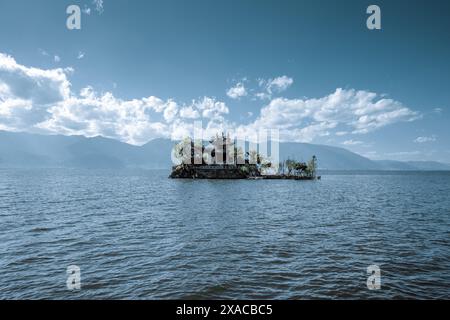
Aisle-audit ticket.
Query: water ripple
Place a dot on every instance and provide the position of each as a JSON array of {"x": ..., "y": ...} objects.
[{"x": 138, "y": 235}]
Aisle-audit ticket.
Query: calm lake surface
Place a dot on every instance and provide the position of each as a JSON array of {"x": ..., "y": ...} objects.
[{"x": 138, "y": 235}]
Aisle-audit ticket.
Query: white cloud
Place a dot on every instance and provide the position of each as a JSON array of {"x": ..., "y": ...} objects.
[
  {"x": 170, "y": 110},
  {"x": 265, "y": 90},
  {"x": 211, "y": 108},
  {"x": 305, "y": 119},
  {"x": 57, "y": 58},
  {"x": 271, "y": 86},
  {"x": 352, "y": 143},
  {"x": 433, "y": 138},
  {"x": 37, "y": 100},
  {"x": 80, "y": 55},
  {"x": 279, "y": 84},
  {"x": 263, "y": 96},
  {"x": 41, "y": 87},
  {"x": 237, "y": 91},
  {"x": 26, "y": 93},
  {"x": 92, "y": 114},
  {"x": 189, "y": 113}
]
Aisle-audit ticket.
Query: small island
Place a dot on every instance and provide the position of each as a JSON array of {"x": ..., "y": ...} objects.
[{"x": 221, "y": 158}]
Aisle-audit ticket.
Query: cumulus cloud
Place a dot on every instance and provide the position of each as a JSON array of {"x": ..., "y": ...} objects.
[
  {"x": 279, "y": 84},
  {"x": 359, "y": 112},
  {"x": 189, "y": 113},
  {"x": 170, "y": 111},
  {"x": 38, "y": 100},
  {"x": 93, "y": 114},
  {"x": 237, "y": 91},
  {"x": 272, "y": 86},
  {"x": 39, "y": 86},
  {"x": 26, "y": 93},
  {"x": 211, "y": 108},
  {"x": 433, "y": 138},
  {"x": 265, "y": 89}
]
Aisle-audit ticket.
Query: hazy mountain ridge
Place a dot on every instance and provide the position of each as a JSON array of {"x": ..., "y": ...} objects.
[{"x": 23, "y": 150}]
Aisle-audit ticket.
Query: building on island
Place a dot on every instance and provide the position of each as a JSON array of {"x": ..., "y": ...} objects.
[{"x": 222, "y": 158}]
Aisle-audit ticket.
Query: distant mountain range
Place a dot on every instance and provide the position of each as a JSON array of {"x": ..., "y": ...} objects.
[{"x": 23, "y": 150}]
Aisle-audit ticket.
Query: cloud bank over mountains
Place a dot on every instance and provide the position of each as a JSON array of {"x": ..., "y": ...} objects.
[{"x": 42, "y": 101}]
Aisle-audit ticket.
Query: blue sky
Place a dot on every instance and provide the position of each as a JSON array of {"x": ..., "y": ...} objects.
[{"x": 139, "y": 70}]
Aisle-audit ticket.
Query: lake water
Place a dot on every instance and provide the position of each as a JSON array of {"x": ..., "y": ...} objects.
[{"x": 138, "y": 235}]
